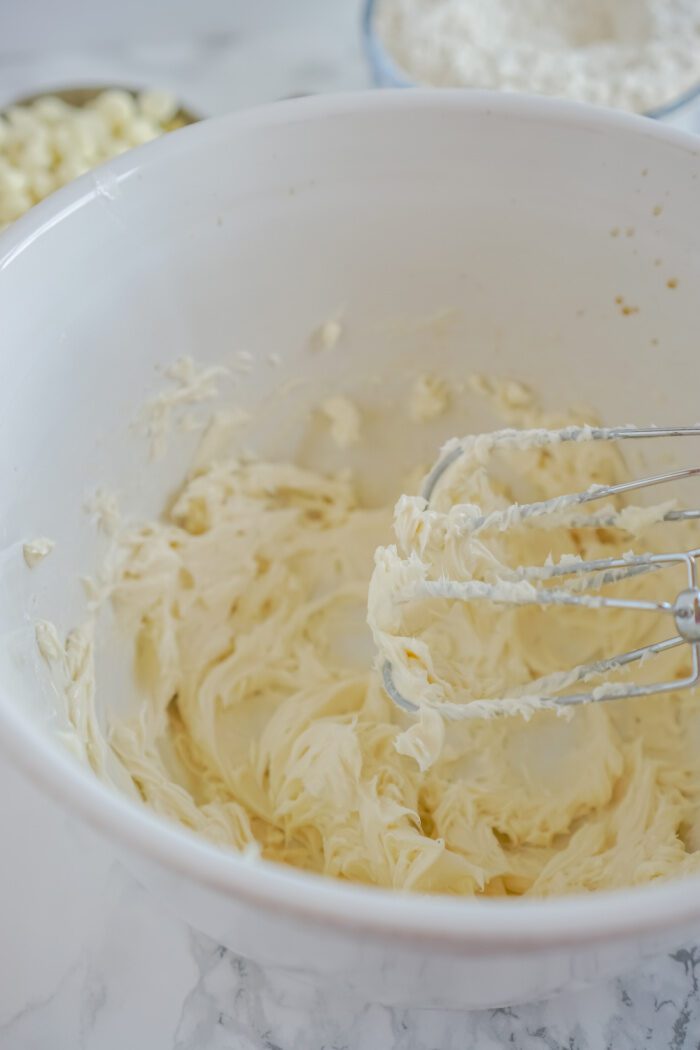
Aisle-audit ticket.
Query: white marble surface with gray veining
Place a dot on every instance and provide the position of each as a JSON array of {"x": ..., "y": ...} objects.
[{"x": 88, "y": 959}]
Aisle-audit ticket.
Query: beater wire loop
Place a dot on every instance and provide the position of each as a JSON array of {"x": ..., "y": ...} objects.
[{"x": 576, "y": 579}]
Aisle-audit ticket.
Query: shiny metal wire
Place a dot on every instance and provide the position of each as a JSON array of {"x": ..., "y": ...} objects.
[{"x": 684, "y": 610}]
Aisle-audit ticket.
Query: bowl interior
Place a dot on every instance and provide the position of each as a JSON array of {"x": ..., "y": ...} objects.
[{"x": 452, "y": 235}]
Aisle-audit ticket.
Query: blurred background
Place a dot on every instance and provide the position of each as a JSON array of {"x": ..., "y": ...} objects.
[
  {"x": 218, "y": 55},
  {"x": 215, "y": 55},
  {"x": 208, "y": 57}
]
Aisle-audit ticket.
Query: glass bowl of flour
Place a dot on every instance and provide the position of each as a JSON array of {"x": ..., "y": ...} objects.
[{"x": 643, "y": 57}]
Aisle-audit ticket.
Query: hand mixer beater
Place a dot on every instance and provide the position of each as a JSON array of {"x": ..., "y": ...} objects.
[{"x": 570, "y": 582}]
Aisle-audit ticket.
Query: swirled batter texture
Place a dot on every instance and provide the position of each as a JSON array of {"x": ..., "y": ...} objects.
[{"x": 263, "y": 724}]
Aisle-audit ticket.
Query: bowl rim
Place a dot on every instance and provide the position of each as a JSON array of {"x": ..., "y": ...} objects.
[
  {"x": 460, "y": 925},
  {"x": 386, "y": 72}
]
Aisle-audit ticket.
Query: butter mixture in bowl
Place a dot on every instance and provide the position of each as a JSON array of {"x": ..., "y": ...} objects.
[{"x": 263, "y": 724}]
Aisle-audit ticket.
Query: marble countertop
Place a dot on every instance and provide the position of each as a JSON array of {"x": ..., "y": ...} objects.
[
  {"x": 88, "y": 959},
  {"x": 91, "y": 961}
]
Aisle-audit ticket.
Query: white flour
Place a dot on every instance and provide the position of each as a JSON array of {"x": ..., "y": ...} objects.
[{"x": 632, "y": 54}]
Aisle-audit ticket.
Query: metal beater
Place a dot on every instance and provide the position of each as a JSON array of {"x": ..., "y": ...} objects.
[{"x": 578, "y": 578}]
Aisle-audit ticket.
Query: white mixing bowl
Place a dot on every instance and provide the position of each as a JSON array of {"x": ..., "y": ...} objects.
[{"x": 550, "y": 232}]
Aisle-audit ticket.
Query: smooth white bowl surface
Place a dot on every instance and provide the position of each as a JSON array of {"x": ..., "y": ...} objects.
[{"x": 460, "y": 232}]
